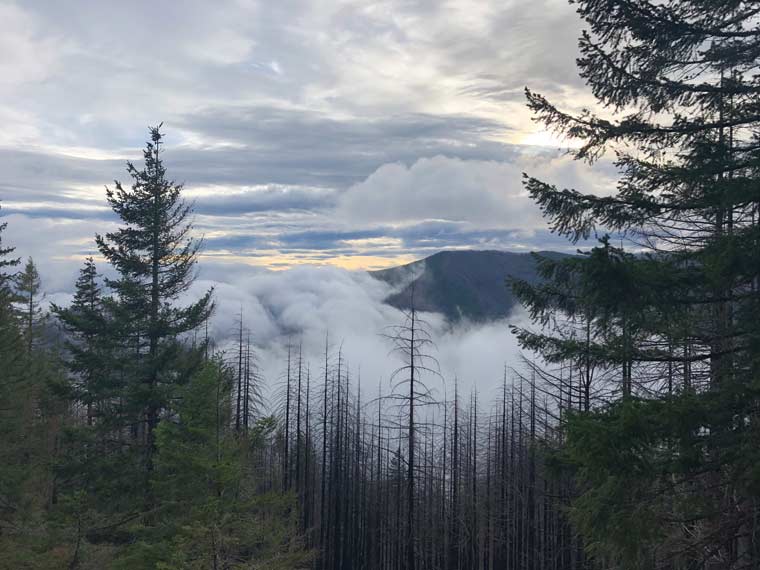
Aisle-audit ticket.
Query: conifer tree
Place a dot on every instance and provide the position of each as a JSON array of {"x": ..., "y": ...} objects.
[
  {"x": 154, "y": 255},
  {"x": 211, "y": 516},
  {"x": 6, "y": 264},
  {"x": 13, "y": 390},
  {"x": 29, "y": 428},
  {"x": 10, "y": 342},
  {"x": 28, "y": 298},
  {"x": 86, "y": 321},
  {"x": 680, "y": 79}
]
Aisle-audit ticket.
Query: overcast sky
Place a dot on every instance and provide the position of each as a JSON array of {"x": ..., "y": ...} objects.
[{"x": 346, "y": 132}]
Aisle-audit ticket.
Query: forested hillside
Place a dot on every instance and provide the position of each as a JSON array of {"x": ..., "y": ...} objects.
[
  {"x": 627, "y": 438},
  {"x": 461, "y": 285}
]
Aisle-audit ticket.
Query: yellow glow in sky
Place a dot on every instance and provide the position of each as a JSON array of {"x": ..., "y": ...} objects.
[{"x": 277, "y": 261}]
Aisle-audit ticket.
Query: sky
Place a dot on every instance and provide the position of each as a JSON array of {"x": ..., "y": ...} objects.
[{"x": 346, "y": 134}]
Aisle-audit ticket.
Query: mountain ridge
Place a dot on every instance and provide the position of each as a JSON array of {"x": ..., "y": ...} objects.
[{"x": 462, "y": 284}]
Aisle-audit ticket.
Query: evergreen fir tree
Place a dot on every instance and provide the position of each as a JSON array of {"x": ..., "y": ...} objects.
[
  {"x": 13, "y": 387},
  {"x": 87, "y": 324},
  {"x": 154, "y": 255},
  {"x": 8, "y": 332},
  {"x": 28, "y": 298},
  {"x": 6, "y": 264},
  {"x": 30, "y": 413},
  {"x": 210, "y": 514},
  {"x": 670, "y": 482}
]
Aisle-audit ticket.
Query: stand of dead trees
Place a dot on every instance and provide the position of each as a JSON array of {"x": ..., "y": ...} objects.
[{"x": 399, "y": 475}]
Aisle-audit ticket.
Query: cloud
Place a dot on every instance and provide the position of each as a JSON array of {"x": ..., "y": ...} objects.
[
  {"x": 91, "y": 84},
  {"x": 27, "y": 55},
  {"x": 224, "y": 201},
  {"x": 480, "y": 193},
  {"x": 264, "y": 144},
  {"x": 333, "y": 132},
  {"x": 58, "y": 246},
  {"x": 441, "y": 188},
  {"x": 302, "y": 305}
]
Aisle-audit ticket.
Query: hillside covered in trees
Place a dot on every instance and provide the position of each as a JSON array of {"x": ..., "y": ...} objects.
[
  {"x": 627, "y": 438},
  {"x": 461, "y": 285}
]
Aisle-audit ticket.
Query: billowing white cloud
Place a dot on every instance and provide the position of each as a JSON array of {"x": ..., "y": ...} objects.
[
  {"x": 481, "y": 193},
  {"x": 441, "y": 188},
  {"x": 302, "y": 305}
]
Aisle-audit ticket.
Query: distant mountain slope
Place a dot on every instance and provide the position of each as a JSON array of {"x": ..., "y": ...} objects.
[{"x": 461, "y": 284}]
